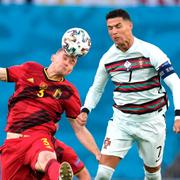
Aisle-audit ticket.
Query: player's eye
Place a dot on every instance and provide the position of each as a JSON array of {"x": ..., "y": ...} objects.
[
  {"x": 65, "y": 58},
  {"x": 72, "y": 62},
  {"x": 110, "y": 28},
  {"x": 118, "y": 26}
]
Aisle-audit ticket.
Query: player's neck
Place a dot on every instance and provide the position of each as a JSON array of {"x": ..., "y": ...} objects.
[
  {"x": 126, "y": 45},
  {"x": 51, "y": 76}
]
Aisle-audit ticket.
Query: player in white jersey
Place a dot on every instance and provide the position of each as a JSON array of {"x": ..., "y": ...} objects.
[{"x": 135, "y": 67}]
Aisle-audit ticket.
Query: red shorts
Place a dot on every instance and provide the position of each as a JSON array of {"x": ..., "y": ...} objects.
[
  {"x": 19, "y": 156},
  {"x": 64, "y": 153}
]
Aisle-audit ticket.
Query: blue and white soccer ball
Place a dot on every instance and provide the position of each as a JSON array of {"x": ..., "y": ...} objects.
[{"x": 76, "y": 42}]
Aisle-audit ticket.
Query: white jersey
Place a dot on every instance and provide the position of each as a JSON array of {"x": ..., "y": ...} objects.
[{"x": 135, "y": 76}]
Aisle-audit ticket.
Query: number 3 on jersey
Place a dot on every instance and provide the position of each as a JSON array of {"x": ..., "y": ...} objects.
[{"x": 41, "y": 93}]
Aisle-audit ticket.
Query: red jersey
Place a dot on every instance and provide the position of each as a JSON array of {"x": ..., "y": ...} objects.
[{"x": 38, "y": 102}]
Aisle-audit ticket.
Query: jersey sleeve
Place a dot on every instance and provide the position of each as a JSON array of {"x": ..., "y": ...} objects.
[
  {"x": 72, "y": 105},
  {"x": 158, "y": 57},
  {"x": 16, "y": 72}
]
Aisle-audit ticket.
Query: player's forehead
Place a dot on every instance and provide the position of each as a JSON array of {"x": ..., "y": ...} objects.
[
  {"x": 115, "y": 21},
  {"x": 62, "y": 53},
  {"x": 71, "y": 58}
]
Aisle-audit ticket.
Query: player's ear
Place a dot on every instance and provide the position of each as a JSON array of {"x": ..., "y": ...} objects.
[
  {"x": 131, "y": 25},
  {"x": 52, "y": 57}
]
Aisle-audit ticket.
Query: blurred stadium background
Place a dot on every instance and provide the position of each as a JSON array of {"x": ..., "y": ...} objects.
[{"x": 32, "y": 30}]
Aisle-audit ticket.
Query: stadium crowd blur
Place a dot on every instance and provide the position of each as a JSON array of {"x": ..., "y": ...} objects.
[{"x": 98, "y": 3}]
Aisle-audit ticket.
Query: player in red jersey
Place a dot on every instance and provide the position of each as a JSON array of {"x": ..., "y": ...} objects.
[{"x": 41, "y": 96}]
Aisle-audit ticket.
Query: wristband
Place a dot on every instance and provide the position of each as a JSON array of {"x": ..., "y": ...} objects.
[
  {"x": 86, "y": 110},
  {"x": 177, "y": 112}
]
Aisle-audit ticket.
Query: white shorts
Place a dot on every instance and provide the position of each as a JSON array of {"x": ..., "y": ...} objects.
[{"x": 149, "y": 137}]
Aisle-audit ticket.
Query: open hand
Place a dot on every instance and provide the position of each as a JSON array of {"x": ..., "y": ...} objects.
[
  {"x": 176, "y": 127},
  {"x": 82, "y": 118}
]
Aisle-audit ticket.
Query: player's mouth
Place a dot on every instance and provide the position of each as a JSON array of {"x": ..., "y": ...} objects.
[{"x": 116, "y": 38}]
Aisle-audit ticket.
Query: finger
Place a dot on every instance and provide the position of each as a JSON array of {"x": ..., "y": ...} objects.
[
  {"x": 81, "y": 122},
  {"x": 176, "y": 130}
]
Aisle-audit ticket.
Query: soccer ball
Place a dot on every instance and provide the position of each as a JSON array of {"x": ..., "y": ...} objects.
[{"x": 76, "y": 42}]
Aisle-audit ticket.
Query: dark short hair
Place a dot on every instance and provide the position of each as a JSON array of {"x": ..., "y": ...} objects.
[{"x": 118, "y": 13}]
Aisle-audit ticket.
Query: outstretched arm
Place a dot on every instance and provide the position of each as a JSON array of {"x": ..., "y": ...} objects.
[
  {"x": 173, "y": 83},
  {"x": 85, "y": 137},
  {"x": 94, "y": 94},
  {"x": 3, "y": 74},
  {"x": 168, "y": 74}
]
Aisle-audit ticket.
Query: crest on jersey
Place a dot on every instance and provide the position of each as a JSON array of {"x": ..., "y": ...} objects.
[
  {"x": 57, "y": 93},
  {"x": 127, "y": 65},
  {"x": 141, "y": 62}
]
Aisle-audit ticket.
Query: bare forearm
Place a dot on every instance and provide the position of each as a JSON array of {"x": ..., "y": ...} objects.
[
  {"x": 86, "y": 138},
  {"x": 3, "y": 74}
]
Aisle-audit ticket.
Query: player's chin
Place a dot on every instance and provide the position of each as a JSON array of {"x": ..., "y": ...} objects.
[
  {"x": 63, "y": 71},
  {"x": 67, "y": 72}
]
